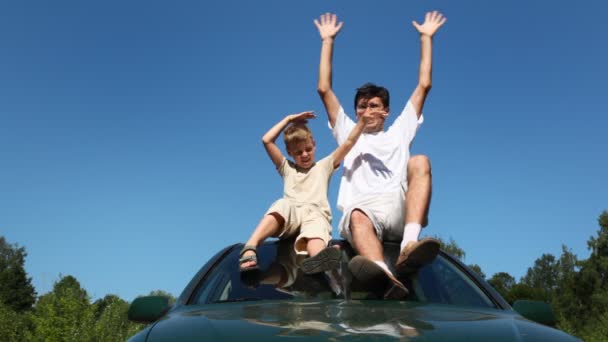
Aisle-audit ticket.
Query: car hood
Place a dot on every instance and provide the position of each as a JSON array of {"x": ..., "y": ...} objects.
[{"x": 335, "y": 319}]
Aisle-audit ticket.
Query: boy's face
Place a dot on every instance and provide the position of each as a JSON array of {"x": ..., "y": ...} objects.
[
  {"x": 374, "y": 106},
  {"x": 303, "y": 153}
]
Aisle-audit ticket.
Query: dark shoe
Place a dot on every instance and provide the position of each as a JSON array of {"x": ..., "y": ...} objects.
[
  {"x": 375, "y": 279},
  {"x": 417, "y": 254},
  {"x": 328, "y": 259}
]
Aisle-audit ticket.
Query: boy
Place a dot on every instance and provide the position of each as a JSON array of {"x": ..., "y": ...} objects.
[
  {"x": 304, "y": 210},
  {"x": 378, "y": 173}
]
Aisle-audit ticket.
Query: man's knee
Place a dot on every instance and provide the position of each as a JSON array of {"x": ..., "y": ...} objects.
[
  {"x": 419, "y": 165},
  {"x": 359, "y": 221}
]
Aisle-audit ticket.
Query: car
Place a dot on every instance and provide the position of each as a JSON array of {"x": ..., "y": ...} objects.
[{"x": 447, "y": 301}]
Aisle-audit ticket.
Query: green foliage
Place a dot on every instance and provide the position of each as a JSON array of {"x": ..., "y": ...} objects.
[
  {"x": 65, "y": 314},
  {"x": 452, "y": 248},
  {"x": 543, "y": 275},
  {"x": 540, "y": 282},
  {"x": 13, "y": 325},
  {"x": 111, "y": 323},
  {"x": 165, "y": 294},
  {"x": 16, "y": 290},
  {"x": 583, "y": 292},
  {"x": 503, "y": 282},
  {"x": 477, "y": 269},
  {"x": 527, "y": 292},
  {"x": 567, "y": 298},
  {"x": 596, "y": 330}
]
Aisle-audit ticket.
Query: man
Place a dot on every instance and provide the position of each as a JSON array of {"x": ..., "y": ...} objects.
[{"x": 382, "y": 188}]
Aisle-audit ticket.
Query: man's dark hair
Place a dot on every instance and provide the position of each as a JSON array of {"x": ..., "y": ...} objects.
[{"x": 370, "y": 90}]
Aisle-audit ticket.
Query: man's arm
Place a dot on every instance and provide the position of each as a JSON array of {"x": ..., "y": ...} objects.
[
  {"x": 274, "y": 152},
  {"x": 432, "y": 22},
  {"x": 328, "y": 29},
  {"x": 354, "y": 135}
]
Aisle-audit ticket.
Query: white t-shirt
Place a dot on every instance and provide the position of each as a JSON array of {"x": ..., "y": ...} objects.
[{"x": 378, "y": 161}]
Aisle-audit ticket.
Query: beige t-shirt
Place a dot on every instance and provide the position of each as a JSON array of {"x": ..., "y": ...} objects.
[{"x": 308, "y": 186}]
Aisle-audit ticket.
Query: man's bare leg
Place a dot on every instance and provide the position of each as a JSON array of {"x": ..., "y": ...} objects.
[
  {"x": 365, "y": 240},
  {"x": 369, "y": 266},
  {"x": 418, "y": 196},
  {"x": 416, "y": 253}
]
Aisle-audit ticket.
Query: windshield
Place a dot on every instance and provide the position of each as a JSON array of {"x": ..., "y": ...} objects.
[{"x": 279, "y": 277}]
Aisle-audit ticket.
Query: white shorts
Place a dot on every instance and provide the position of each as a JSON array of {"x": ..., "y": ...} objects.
[{"x": 387, "y": 213}]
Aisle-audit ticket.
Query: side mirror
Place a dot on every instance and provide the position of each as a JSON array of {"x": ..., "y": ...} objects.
[
  {"x": 148, "y": 309},
  {"x": 536, "y": 311}
]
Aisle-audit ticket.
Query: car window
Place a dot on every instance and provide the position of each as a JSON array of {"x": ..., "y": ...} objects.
[
  {"x": 226, "y": 284},
  {"x": 443, "y": 282}
]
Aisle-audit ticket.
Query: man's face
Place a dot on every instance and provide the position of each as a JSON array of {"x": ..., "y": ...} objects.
[
  {"x": 303, "y": 153},
  {"x": 375, "y": 107}
]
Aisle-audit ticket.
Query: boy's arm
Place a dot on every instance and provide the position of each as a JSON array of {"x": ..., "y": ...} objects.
[
  {"x": 432, "y": 22},
  {"x": 274, "y": 152},
  {"x": 354, "y": 135},
  {"x": 328, "y": 29}
]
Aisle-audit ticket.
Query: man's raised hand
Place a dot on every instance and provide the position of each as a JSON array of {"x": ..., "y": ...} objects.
[
  {"x": 328, "y": 26},
  {"x": 432, "y": 22}
]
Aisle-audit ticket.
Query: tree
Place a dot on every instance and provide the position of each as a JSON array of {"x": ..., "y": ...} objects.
[
  {"x": 64, "y": 314},
  {"x": 477, "y": 269},
  {"x": 565, "y": 299},
  {"x": 163, "y": 293},
  {"x": 583, "y": 287},
  {"x": 16, "y": 290},
  {"x": 525, "y": 291},
  {"x": 111, "y": 322},
  {"x": 13, "y": 325},
  {"x": 503, "y": 282},
  {"x": 543, "y": 275},
  {"x": 594, "y": 271},
  {"x": 452, "y": 248}
]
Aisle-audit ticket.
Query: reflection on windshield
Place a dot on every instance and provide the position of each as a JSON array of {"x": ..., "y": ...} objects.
[
  {"x": 285, "y": 275},
  {"x": 402, "y": 320},
  {"x": 279, "y": 277}
]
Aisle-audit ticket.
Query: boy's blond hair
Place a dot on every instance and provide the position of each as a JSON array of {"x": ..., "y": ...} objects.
[{"x": 296, "y": 132}]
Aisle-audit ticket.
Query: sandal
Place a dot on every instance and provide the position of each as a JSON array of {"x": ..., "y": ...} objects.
[
  {"x": 375, "y": 279},
  {"x": 417, "y": 254},
  {"x": 249, "y": 258}
]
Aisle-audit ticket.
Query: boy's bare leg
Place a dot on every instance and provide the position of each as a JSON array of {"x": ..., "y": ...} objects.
[
  {"x": 314, "y": 246},
  {"x": 268, "y": 226},
  {"x": 322, "y": 258},
  {"x": 418, "y": 196},
  {"x": 365, "y": 240}
]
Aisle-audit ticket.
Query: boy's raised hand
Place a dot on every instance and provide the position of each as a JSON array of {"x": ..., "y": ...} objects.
[
  {"x": 327, "y": 26},
  {"x": 302, "y": 117},
  {"x": 432, "y": 22},
  {"x": 368, "y": 117}
]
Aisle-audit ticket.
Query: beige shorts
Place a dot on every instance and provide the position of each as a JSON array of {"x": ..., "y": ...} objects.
[
  {"x": 387, "y": 213},
  {"x": 302, "y": 221}
]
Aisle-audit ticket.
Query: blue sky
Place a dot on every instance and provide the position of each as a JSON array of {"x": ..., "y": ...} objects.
[{"x": 130, "y": 131}]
